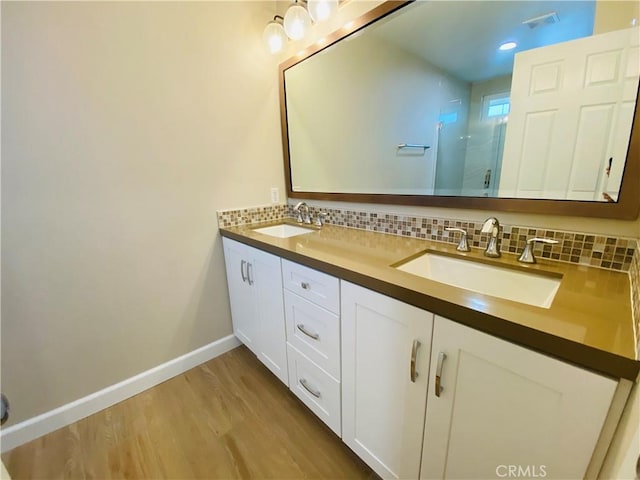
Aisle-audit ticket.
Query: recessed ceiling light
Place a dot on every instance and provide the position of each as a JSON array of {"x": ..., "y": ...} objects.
[{"x": 508, "y": 46}]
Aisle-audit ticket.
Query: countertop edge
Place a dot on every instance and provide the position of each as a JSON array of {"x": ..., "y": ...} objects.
[{"x": 593, "y": 359}]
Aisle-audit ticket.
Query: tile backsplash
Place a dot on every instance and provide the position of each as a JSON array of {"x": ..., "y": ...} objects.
[
  {"x": 607, "y": 252},
  {"x": 247, "y": 216}
]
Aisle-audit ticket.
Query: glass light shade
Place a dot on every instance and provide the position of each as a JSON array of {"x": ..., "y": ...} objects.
[
  {"x": 296, "y": 22},
  {"x": 274, "y": 37},
  {"x": 321, "y": 10}
]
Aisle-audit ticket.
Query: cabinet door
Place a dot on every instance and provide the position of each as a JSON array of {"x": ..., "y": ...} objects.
[
  {"x": 243, "y": 306},
  {"x": 504, "y": 409},
  {"x": 265, "y": 276},
  {"x": 382, "y": 405}
]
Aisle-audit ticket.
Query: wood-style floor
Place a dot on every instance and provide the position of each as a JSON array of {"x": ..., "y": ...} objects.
[{"x": 227, "y": 418}]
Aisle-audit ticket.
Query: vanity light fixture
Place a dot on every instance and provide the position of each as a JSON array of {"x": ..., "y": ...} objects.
[
  {"x": 296, "y": 22},
  {"x": 321, "y": 10},
  {"x": 274, "y": 36},
  {"x": 507, "y": 46}
]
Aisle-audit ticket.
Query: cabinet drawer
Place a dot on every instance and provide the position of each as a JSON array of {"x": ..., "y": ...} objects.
[
  {"x": 311, "y": 284},
  {"x": 316, "y": 388},
  {"x": 314, "y": 331}
]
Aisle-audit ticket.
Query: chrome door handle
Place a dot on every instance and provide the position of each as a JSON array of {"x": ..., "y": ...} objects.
[
  {"x": 242, "y": 264},
  {"x": 305, "y": 286},
  {"x": 441, "y": 358},
  {"x": 414, "y": 353},
  {"x": 313, "y": 392},
  {"x": 300, "y": 327},
  {"x": 249, "y": 273}
]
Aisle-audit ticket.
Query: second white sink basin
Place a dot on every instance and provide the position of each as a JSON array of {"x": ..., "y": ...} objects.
[
  {"x": 530, "y": 288},
  {"x": 283, "y": 231}
]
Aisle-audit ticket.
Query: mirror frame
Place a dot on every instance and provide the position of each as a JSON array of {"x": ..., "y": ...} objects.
[{"x": 626, "y": 208}]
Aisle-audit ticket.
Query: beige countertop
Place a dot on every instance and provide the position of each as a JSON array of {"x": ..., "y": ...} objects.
[{"x": 589, "y": 322}]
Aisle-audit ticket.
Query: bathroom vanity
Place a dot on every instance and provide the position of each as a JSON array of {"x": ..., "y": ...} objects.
[{"x": 427, "y": 380}]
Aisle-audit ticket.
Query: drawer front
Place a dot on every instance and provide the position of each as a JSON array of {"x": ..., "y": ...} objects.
[
  {"x": 314, "y": 331},
  {"x": 315, "y": 286},
  {"x": 316, "y": 388}
]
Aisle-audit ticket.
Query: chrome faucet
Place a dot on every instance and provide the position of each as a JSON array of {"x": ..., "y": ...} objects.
[
  {"x": 492, "y": 226},
  {"x": 302, "y": 209},
  {"x": 527, "y": 255},
  {"x": 463, "y": 245}
]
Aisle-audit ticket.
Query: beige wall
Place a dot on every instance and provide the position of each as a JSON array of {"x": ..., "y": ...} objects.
[
  {"x": 615, "y": 15},
  {"x": 125, "y": 126}
]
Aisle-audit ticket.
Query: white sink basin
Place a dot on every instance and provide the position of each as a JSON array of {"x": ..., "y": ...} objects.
[
  {"x": 530, "y": 288},
  {"x": 283, "y": 231}
]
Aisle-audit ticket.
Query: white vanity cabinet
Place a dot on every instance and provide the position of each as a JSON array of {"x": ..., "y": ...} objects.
[
  {"x": 312, "y": 306},
  {"x": 413, "y": 394},
  {"x": 255, "y": 290},
  {"x": 501, "y": 405},
  {"x": 385, "y": 370}
]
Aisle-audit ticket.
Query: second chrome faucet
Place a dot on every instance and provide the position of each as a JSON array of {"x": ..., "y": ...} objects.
[
  {"x": 304, "y": 215},
  {"x": 492, "y": 227}
]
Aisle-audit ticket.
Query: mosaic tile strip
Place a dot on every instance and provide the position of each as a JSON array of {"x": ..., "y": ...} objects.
[
  {"x": 634, "y": 279},
  {"x": 601, "y": 251},
  {"x": 247, "y": 216}
]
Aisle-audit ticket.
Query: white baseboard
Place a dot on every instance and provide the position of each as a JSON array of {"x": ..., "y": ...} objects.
[{"x": 35, "y": 427}]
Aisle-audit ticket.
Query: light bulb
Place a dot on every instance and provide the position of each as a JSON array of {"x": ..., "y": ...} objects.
[
  {"x": 296, "y": 21},
  {"x": 321, "y": 10},
  {"x": 274, "y": 37}
]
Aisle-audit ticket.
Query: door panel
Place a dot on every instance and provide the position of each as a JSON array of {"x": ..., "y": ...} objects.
[
  {"x": 243, "y": 312},
  {"x": 587, "y": 85},
  {"x": 502, "y": 404},
  {"x": 383, "y": 409},
  {"x": 266, "y": 276}
]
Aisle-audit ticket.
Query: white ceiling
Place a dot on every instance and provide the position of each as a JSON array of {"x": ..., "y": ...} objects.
[{"x": 462, "y": 37}]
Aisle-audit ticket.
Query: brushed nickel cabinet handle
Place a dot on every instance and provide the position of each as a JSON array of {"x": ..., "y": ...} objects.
[
  {"x": 414, "y": 353},
  {"x": 305, "y": 286},
  {"x": 242, "y": 264},
  {"x": 300, "y": 327},
  {"x": 313, "y": 392},
  {"x": 249, "y": 273},
  {"x": 441, "y": 358}
]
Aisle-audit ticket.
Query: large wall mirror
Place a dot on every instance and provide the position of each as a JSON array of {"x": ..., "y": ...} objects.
[{"x": 516, "y": 106}]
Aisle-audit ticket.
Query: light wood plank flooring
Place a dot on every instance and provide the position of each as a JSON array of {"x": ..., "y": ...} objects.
[{"x": 227, "y": 418}]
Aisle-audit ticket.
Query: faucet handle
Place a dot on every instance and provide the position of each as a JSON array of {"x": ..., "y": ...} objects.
[
  {"x": 527, "y": 255},
  {"x": 320, "y": 218},
  {"x": 463, "y": 245}
]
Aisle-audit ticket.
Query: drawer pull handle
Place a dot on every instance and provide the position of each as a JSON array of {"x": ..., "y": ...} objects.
[
  {"x": 313, "y": 392},
  {"x": 414, "y": 354},
  {"x": 300, "y": 327},
  {"x": 242, "y": 264},
  {"x": 305, "y": 286},
  {"x": 250, "y": 273},
  {"x": 441, "y": 358}
]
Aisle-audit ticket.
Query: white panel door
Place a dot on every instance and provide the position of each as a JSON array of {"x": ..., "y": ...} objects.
[
  {"x": 382, "y": 406},
  {"x": 571, "y": 112},
  {"x": 265, "y": 275},
  {"x": 501, "y": 405},
  {"x": 241, "y": 293}
]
